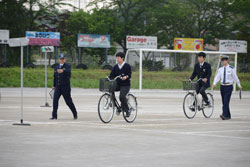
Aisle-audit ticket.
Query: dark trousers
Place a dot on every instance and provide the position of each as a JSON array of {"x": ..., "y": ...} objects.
[
  {"x": 123, "y": 93},
  {"x": 226, "y": 92},
  {"x": 65, "y": 91},
  {"x": 202, "y": 90}
]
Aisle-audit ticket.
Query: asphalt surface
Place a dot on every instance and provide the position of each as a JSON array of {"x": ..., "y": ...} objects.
[{"x": 160, "y": 136}]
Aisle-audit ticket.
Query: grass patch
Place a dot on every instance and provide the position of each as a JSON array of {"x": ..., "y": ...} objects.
[{"x": 10, "y": 77}]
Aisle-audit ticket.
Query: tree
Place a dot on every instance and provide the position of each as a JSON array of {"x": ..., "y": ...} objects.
[
  {"x": 191, "y": 19},
  {"x": 127, "y": 17},
  {"x": 241, "y": 27}
]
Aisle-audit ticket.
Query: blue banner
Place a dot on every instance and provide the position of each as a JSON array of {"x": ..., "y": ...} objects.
[{"x": 43, "y": 38}]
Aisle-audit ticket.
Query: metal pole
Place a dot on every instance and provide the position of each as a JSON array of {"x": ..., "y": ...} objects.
[
  {"x": 140, "y": 75},
  {"x": 235, "y": 66},
  {"x": 174, "y": 59},
  {"x": 46, "y": 103},
  {"x": 55, "y": 54},
  {"x": 21, "y": 113},
  {"x": 106, "y": 53},
  {"x": 27, "y": 55},
  {"x": 21, "y": 116},
  {"x": 45, "y": 66},
  {"x": 5, "y": 53},
  {"x": 0, "y": 52},
  {"x": 79, "y": 55}
]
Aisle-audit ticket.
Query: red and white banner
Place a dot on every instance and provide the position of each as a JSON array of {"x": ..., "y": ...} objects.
[{"x": 140, "y": 42}]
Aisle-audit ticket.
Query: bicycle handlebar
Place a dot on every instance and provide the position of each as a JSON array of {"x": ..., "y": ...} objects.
[
  {"x": 196, "y": 81},
  {"x": 114, "y": 78}
]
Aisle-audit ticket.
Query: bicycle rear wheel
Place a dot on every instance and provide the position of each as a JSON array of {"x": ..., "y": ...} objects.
[
  {"x": 208, "y": 110},
  {"x": 106, "y": 108},
  {"x": 190, "y": 105},
  {"x": 132, "y": 104}
]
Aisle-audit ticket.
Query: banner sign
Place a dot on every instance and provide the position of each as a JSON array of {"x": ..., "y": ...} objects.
[
  {"x": 43, "y": 38},
  {"x": 93, "y": 41},
  {"x": 140, "y": 42},
  {"x": 188, "y": 44},
  {"x": 4, "y": 36},
  {"x": 233, "y": 46},
  {"x": 17, "y": 42}
]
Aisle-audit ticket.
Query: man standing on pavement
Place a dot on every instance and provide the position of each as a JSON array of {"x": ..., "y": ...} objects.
[
  {"x": 226, "y": 75},
  {"x": 62, "y": 73}
]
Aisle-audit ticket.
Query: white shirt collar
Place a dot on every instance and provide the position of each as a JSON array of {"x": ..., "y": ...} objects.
[
  {"x": 120, "y": 66},
  {"x": 201, "y": 64},
  {"x": 61, "y": 65}
]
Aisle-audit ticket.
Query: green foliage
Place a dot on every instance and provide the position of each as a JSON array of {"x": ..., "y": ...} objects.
[
  {"x": 151, "y": 66},
  {"x": 10, "y": 77},
  {"x": 166, "y": 19}
]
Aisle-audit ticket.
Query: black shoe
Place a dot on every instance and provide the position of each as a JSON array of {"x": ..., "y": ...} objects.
[
  {"x": 208, "y": 104},
  {"x": 192, "y": 108},
  {"x": 118, "y": 112},
  {"x": 75, "y": 117},
  {"x": 224, "y": 118},
  {"x": 128, "y": 113},
  {"x": 53, "y": 118}
]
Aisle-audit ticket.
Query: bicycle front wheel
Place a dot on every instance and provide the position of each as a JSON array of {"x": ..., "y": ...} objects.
[
  {"x": 208, "y": 110},
  {"x": 106, "y": 108},
  {"x": 190, "y": 105},
  {"x": 132, "y": 104}
]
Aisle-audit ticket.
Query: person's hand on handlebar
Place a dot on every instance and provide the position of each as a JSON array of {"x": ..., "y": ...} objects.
[
  {"x": 125, "y": 77},
  {"x": 204, "y": 80},
  {"x": 213, "y": 87}
]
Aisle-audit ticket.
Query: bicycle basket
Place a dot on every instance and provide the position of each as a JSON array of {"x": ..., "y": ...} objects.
[
  {"x": 107, "y": 86},
  {"x": 187, "y": 85}
]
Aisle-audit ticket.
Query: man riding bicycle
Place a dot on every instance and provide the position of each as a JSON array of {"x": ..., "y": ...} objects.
[
  {"x": 122, "y": 69},
  {"x": 203, "y": 72}
]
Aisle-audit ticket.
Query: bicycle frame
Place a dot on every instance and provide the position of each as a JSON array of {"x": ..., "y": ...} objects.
[
  {"x": 117, "y": 105},
  {"x": 199, "y": 101}
]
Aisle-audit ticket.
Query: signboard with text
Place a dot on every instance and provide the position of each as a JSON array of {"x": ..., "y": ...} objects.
[
  {"x": 43, "y": 38},
  {"x": 188, "y": 44},
  {"x": 4, "y": 36},
  {"x": 141, "y": 42},
  {"x": 18, "y": 42},
  {"x": 93, "y": 41},
  {"x": 233, "y": 46}
]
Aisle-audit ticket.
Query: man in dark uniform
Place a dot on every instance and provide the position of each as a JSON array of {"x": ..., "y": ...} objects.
[
  {"x": 203, "y": 71},
  {"x": 122, "y": 69},
  {"x": 62, "y": 75}
]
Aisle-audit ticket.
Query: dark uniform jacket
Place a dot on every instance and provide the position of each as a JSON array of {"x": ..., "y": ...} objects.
[
  {"x": 125, "y": 70},
  {"x": 62, "y": 79},
  {"x": 204, "y": 72}
]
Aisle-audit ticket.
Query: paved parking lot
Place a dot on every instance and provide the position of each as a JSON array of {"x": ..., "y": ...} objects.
[{"x": 160, "y": 136}]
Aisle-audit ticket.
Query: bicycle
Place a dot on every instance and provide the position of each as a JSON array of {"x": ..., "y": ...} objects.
[
  {"x": 108, "y": 104},
  {"x": 192, "y": 102}
]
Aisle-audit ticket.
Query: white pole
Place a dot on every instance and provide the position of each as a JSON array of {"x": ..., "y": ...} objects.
[
  {"x": 45, "y": 57},
  {"x": 21, "y": 116},
  {"x": 235, "y": 66},
  {"x": 140, "y": 74}
]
